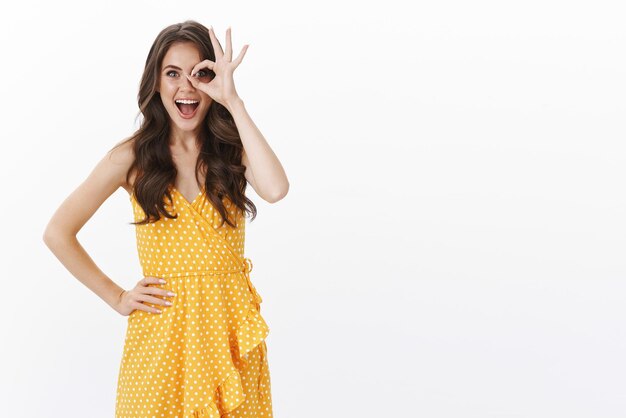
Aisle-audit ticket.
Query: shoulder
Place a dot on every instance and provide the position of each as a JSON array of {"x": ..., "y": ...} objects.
[
  {"x": 104, "y": 179},
  {"x": 121, "y": 157}
]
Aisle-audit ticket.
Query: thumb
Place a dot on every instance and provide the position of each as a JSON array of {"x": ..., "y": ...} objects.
[{"x": 194, "y": 82}]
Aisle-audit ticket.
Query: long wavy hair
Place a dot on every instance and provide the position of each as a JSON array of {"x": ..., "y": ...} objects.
[{"x": 221, "y": 147}]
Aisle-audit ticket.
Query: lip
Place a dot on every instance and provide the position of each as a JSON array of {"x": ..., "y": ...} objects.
[{"x": 190, "y": 116}]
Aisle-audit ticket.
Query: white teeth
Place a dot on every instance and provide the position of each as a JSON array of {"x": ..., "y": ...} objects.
[{"x": 186, "y": 101}]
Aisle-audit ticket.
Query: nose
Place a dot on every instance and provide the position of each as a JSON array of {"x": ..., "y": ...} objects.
[{"x": 185, "y": 82}]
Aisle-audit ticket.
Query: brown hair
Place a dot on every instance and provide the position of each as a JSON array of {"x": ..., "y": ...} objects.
[{"x": 221, "y": 148}]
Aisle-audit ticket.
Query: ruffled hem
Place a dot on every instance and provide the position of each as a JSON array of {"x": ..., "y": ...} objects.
[
  {"x": 230, "y": 394},
  {"x": 209, "y": 412}
]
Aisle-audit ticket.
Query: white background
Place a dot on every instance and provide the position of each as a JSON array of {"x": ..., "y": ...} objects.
[{"x": 452, "y": 244}]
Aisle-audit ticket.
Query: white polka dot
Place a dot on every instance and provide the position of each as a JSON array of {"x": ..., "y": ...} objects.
[{"x": 205, "y": 355}]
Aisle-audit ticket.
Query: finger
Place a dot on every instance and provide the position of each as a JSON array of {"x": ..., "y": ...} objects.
[
  {"x": 202, "y": 64},
  {"x": 217, "y": 47},
  {"x": 229, "y": 46},
  {"x": 194, "y": 81},
  {"x": 240, "y": 56},
  {"x": 151, "y": 280},
  {"x": 158, "y": 291},
  {"x": 147, "y": 308},
  {"x": 152, "y": 299}
]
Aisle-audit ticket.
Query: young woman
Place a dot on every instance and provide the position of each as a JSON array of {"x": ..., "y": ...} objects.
[{"x": 195, "y": 339}]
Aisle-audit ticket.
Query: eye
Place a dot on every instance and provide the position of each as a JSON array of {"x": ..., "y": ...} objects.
[
  {"x": 169, "y": 72},
  {"x": 202, "y": 74}
]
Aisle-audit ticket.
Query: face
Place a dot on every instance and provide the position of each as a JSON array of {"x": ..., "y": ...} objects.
[{"x": 173, "y": 85}]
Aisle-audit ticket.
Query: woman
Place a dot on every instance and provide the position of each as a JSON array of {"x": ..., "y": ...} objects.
[{"x": 195, "y": 341}]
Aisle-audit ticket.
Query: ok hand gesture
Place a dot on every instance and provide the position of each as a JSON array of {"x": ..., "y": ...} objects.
[{"x": 222, "y": 87}]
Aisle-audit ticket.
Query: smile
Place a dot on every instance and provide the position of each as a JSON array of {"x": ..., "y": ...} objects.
[{"x": 187, "y": 108}]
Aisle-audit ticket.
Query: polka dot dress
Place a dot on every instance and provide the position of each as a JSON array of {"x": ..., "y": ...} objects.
[{"x": 205, "y": 355}]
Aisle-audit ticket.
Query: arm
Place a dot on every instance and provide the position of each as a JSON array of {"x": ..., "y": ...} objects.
[
  {"x": 263, "y": 169},
  {"x": 60, "y": 233}
]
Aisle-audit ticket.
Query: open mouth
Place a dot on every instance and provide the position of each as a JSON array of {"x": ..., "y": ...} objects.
[{"x": 187, "y": 108}]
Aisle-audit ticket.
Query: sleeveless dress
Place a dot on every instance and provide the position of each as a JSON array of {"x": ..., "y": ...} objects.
[{"x": 205, "y": 355}]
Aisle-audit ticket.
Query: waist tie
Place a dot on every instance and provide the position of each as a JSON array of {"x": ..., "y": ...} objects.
[{"x": 246, "y": 269}]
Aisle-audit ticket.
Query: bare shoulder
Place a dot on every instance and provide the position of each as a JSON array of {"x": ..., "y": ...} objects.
[
  {"x": 105, "y": 178},
  {"x": 121, "y": 158}
]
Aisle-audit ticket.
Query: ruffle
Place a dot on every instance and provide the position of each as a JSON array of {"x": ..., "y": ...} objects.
[
  {"x": 229, "y": 395},
  {"x": 252, "y": 332},
  {"x": 208, "y": 412}
]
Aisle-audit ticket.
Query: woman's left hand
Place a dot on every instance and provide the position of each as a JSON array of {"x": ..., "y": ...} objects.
[{"x": 222, "y": 87}]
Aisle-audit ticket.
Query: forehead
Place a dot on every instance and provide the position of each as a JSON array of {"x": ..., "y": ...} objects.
[{"x": 182, "y": 55}]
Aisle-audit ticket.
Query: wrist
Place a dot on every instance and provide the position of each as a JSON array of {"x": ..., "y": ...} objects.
[
  {"x": 114, "y": 295},
  {"x": 233, "y": 103},
  {"x": 119, "y": 298}
]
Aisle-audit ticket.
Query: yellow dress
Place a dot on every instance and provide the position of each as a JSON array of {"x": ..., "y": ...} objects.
[{"x": 205, "y": 355}]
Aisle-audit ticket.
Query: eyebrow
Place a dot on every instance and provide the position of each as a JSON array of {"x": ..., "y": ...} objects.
[{"x": 172, "y": 66}]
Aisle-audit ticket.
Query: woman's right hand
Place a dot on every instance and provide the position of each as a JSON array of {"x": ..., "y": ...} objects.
[{"x": 133, "y": 299}]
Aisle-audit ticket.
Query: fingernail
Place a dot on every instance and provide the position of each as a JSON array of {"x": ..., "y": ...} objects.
[
  {"x": 168, "y": 303},
  {"x": 162, "y": 280},
  {"x": 171, "y": 294}
]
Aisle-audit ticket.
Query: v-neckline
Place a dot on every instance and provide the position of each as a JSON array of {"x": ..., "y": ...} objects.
[{"x": 200, "y": 193}]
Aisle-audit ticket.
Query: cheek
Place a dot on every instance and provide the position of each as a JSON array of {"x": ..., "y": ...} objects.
[
  {"x": 166, "y": 87},
  {"x": 207, "y": 105},
  {"x": 167, "y": 94}
]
